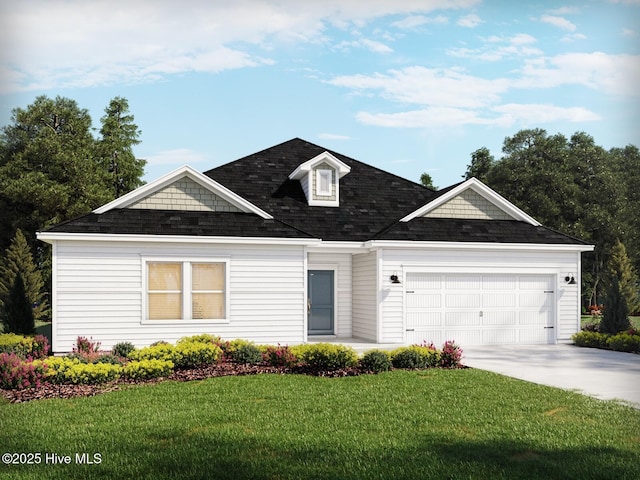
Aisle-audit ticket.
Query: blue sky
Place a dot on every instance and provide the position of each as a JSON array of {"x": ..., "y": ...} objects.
[{"x": 409, "y": 86}]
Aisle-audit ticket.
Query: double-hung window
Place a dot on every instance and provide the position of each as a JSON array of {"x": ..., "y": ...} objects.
[{"x": 186, "y": 290}]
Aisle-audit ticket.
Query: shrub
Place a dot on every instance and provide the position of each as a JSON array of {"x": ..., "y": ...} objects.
[
  {"x": 17, "y": 313},
  {"x": 615, "y": 318},
  {"x": 279, "y": 356},
  {"x": 415, "y": 356},
  {"x": 202, "y": 338},
  {"x": 451, "y": 355},
  {"x": 376, "y": 361},
  {"x": 591, "y": 327},
  {"x": 24, "y": 346},
  {"x": 16, "y": 373},
  {"x": 590, "y": 339},
  {"x": 146, "y": 369},
  {"x": 328, "y": 356},
  {"x": 624, "y": 342},
  {"x": 159, "y": 351},
  {"x": 71, "y": 370},
  {"x": 246, "y": 353},
  {"x": 123, "y": 349},
  {"x": 194, "y": 354},
  {"x": 110, "y": 359}
]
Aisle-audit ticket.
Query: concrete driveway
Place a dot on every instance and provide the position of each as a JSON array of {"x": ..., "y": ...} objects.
[{"x": 599, "y": 373}]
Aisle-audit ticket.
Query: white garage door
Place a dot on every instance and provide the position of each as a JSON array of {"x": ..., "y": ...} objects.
[{"x": 479, "y": 309}]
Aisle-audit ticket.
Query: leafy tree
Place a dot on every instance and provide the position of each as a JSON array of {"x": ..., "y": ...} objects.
[
  {"x": 615, "y": 318},
  {"x": 621, "y": 268},
  {"x": 481, "y": 163},
  {"x": 115, "y": 153},
  {"x": 17, "y": 314},
  {"x": 427, "y": 181},
  {"x": 18, "y": 261},
  {"x": 47, "y": 171}
]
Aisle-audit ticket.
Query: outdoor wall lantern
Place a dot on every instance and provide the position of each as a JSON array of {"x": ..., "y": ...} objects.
[
  {"x": 570, "y": 279},
  {"x": 394, "y": 278}
]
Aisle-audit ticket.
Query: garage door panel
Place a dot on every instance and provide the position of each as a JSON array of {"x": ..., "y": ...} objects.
[
  {"x": 499, "y": 282},
  {"x": 500, "y": 318},
  {"x": 456, "y": 319},
  {"x": 480, "y": 309},
  {"x": 502, "y": 336},
  {"x": 504, "y": 299},
  {"x": 462, "y": 300},
  {"x": 427, "y": 319},
  {"x": 424, "y": 300}
]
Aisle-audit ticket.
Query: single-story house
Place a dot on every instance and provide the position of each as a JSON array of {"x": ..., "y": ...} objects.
[{"x": 296, "y": 243}]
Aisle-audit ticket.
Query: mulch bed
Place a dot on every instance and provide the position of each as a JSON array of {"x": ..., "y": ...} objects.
[{"x": 222, "y": 369}]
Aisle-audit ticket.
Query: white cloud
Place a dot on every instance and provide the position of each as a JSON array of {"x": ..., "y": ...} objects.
[
  {"x": 414, "y": 21},
  {"x": 559, "y": 22},
  {"x": 178, "y": 156},
  {"x": 611, "y": 74},
  {"x": 515, "y": 46},
  {"x": 428, "y": 86},
  {"x": 371, "y": 45},
  {"x": 63, "y": 43},
  {"x": 470, "y": 21},
  {"x": 534, "y": 114},
  {"x": 628, "y": 32}
]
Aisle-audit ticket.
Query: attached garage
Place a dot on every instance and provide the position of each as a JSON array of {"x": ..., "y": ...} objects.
[{"x": 480, "y": 309}]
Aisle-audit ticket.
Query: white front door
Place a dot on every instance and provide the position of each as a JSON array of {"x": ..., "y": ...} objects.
[{"x": 479, "y": 309}]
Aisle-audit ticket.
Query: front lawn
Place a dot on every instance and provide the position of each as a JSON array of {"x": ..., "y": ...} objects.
[{"x": 433, "y": 423}]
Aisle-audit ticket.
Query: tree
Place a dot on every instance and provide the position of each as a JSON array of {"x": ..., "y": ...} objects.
[
  {"x": 115, "y": 153},
  {"x": 427, "y": 181},
  {"x": 17, "y": 313},
  {"x": 47, "y": 171},
  {"x": 481, "y": 163},
  {"x": 620, "y": 267},
  {"x": 18, "y": 261},
  {"x": 615, "y": 318}
]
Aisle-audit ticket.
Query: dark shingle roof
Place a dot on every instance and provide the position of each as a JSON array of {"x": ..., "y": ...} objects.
[
  {"x": 167, "y": 222},
  {"x": 469, "y": 230},
  {"x": 372, "y": 202},
  {"x": 370, "y": 199}
]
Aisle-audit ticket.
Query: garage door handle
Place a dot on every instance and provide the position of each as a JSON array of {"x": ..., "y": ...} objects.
[
  {"x": 411, "y": 329},
  {"x": 409, "y": 291},
  {"x": 548, "y": 327}
]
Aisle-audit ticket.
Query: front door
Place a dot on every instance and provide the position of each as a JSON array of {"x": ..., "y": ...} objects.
[{"x": 320, "y": 302}]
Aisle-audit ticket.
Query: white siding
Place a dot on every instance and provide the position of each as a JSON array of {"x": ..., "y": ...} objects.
[
  {"x": 365, "y": 298},
  {"x": 99, "y": 293},
  {"x": 557, "y": 264},
  {"x": 342, "y": 263}
]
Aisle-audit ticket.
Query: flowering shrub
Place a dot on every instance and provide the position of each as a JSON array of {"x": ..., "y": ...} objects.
[
  {"x": 86, "y": 350},
  {"x": 595, "y": 310},
  {"x": 24, "y": 346},
  {"x": 17, "y": 373},
  {"x": 451, "y": 355},
  {"x": 279, "y": 356},
  {"x": 146, "y": 369}
]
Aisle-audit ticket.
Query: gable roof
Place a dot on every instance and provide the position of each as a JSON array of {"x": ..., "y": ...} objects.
[
  {"x": 171, "y": 177},
  {"x": 481, "y": 189},
  {"x": 304, "y": 168}
]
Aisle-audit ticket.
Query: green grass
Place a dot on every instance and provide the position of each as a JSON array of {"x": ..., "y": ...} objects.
[
  {"x": 585, "y": 319},
  {"x": 399, "y": 425}
]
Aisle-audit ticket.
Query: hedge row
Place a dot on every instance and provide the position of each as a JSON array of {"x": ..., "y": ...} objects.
[
  {"x": 622, "y": 342},
  {"x": 87, "y": 365}
]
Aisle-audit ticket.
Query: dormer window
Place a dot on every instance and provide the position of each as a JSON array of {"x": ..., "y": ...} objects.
[
  {"x": 320, "y": 179},
  {"x": 324, "y": 182}
]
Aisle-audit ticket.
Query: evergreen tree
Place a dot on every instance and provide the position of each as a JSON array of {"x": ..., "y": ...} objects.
[
  {"x": 620, "y": 266},
  {"x": 17, "y": 313},
  {"x": 18, "y": 261},
  {"x": 427, "y": 181},
  {"x": 616, "y": 313},
  {"x": 115, "y": 153}
]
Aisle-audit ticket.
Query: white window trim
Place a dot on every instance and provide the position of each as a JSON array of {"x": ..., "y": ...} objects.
[
  {"x": 186, "y": 290},
  {"x": 320, "y": 173}
]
